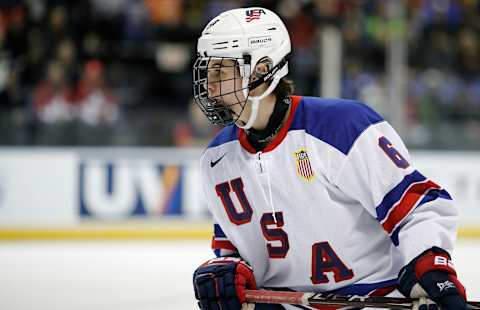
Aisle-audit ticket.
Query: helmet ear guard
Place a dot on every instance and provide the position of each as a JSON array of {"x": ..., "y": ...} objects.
[
  {"x": 266, "y": 76},
  {"x": 267, "y": 62}
]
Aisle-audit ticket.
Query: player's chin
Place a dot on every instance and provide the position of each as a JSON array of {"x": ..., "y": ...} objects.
[
  {"x": 240, "y": 123},
  {"x": 242, "y": 120}
]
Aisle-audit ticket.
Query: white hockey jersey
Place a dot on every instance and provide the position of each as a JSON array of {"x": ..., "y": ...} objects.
[{"x": 333, "y": 203}]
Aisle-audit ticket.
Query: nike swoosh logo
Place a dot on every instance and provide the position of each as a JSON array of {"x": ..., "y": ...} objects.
[{"x": 213, "y": 163}]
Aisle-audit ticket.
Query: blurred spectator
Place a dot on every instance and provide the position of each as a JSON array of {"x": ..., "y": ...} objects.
[
  {"x": 57, "y": 29},
  {"x": 304, "y": 61},
  {"x": 447, "y": 13},
  {"x": 67, "y": 56},
  {"x": 469, "y": 51},
  {"x": 145, "y": 49},
  {"x": 95, "y": 103},
  {"x": 13, "y": 21},
  {"x": 92, "y": 45},
  {"x": 166, "y": 12},
  {"x": 53, "y": 97},
  {"x": 136, "y": 22}
]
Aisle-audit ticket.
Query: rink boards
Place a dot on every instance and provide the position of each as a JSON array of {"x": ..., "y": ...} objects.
[{"x": 153, "y": 193}]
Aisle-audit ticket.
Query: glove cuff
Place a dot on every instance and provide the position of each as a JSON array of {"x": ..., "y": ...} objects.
[
  {"x": 220, "y": 283},
  {"x": 432, "y": 275},
  {"x": 433, "y": 259}
]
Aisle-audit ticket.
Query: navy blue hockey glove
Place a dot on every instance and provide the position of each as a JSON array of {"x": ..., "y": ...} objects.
[
  {"x": 220, "y": 283},
  {"x": 431, "y": 275}
]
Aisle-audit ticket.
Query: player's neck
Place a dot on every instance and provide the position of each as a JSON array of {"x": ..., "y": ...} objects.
[
  {"x": 276, "y": 117},
  {"x": 267, "y": 106}
]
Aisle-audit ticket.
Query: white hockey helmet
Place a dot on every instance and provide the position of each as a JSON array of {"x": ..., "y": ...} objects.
[{"x": 246, "y": 35}]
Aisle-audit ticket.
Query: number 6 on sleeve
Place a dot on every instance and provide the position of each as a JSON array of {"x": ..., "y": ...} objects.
[{"x": 392, "y": 153}]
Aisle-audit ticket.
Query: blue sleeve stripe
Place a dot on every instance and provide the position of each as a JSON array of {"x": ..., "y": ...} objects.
[
  {"x": 337, "y": 122},
  {"x": 218, "y": 232},
  {"x": 394, "y": 236},
  {"x": 430, "y": 196},
  {"x": 394, "y": 195},
  {"x": 216, "y": 252},
  {"x": 433, "y": 194},
  {"x": 227, "y": 134}
]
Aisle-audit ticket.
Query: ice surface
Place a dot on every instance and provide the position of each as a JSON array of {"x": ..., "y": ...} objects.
[{"x": 150, "y": 275}]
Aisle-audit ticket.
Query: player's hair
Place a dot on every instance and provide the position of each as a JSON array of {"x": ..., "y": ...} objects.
[{"x": 284, "y": 88}]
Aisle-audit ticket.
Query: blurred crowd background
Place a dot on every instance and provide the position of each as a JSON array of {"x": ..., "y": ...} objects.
[{"x": 118, "y": 72}]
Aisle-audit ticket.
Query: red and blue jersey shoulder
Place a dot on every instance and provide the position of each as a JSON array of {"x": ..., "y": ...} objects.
[{"x": 338, "y": 122}]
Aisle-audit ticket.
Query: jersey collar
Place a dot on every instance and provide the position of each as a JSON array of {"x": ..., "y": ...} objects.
[{"x": 242, "y": 135}]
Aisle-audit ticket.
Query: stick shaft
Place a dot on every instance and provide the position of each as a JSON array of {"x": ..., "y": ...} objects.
[
  {"x": 307, "y": 298},
  {"x": 277, "y": 297}
]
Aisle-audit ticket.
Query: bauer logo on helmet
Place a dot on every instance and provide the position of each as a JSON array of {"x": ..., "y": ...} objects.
[{"x": 260, "y": 41}]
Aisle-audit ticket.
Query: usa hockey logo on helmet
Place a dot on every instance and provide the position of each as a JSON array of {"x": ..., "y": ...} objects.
[
  {"x": 303, "y": 165},
  {"x": 253, "y": 14}
]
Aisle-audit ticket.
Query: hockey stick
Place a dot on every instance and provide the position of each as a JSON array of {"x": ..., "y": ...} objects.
[{"x": 310, "y": 299}]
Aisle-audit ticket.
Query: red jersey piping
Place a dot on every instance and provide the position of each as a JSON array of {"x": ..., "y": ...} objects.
[{"x": 242, "y": 136}]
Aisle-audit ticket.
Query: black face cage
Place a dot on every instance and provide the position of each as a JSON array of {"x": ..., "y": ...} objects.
[{"x": 207, "y": 71}]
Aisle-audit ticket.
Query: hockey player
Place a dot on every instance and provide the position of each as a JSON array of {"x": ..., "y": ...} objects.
[{"x": 309, "y": 194}]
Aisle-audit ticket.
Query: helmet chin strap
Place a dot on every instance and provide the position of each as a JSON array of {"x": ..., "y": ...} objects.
[{"x": 256, "y": 103}]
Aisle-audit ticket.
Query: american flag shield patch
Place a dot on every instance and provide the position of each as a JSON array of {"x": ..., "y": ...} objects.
[{"x": 304, "y": 168}]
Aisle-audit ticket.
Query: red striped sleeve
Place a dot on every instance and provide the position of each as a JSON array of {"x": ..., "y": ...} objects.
[{"x": 408, "y": 202}]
